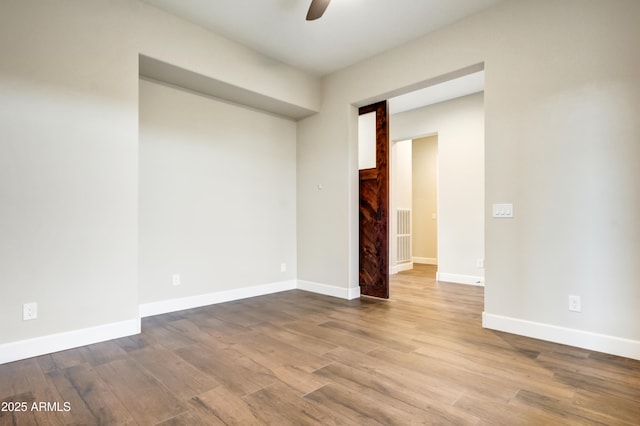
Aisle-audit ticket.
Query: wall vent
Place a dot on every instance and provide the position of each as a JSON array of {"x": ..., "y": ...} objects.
[{"x": 403, "y": 233}]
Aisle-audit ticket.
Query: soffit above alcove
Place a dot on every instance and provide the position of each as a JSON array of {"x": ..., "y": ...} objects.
[{"x": 157, "y": 70}]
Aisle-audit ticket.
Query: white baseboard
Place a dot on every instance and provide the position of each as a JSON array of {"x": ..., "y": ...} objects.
[
  {"x": 567, "y": 336},
  {"x": 460, "y": 279},
  {"x": 36, "y": 346},
  {"x": 425, "y": 260},
  {"x": 174, "y": 305},
  {"x": 28, "y": 348},
  {"x": 348, "y": 293},
  {"x": 406, "y": 266}
]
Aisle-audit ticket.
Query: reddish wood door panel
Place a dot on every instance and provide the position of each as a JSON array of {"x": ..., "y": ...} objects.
[{"x": 374, "y": 212}]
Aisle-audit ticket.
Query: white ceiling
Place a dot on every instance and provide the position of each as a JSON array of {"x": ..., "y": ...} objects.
[
  {"x": 433, "y": 94},
  {"x": 349, "y": 31}
]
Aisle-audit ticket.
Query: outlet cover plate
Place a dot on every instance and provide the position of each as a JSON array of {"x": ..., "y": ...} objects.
[
  {"x": 575, "y": 304},
  {"x": 29, "y": 311},
  {"x": 175, "y": 279}
]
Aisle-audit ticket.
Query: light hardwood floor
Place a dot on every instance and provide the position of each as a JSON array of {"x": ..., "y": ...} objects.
[{"x": 300, "y": 358}]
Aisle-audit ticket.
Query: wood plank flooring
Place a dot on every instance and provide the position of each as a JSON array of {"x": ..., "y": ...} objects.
[{"x": 297, "y": 358}]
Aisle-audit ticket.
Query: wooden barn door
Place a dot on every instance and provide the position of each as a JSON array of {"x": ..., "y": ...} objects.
[{"x": 374, "y": 210}]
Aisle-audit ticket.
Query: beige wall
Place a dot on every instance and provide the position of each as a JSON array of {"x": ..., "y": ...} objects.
[
  {"x": 69, "y": 156},
  {"x": 562, "y": 101},
  {"x": 425, "y": 198},
  {"x": 217, "y": 197},
  {"x": 562, "y": 96}
]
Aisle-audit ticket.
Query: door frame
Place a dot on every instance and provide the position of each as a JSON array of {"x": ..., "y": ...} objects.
[{"x": 353, "y": 105}]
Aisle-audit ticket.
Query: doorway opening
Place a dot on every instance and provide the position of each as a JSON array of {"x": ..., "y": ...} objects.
[
  {"x": 415, "y": 202},
  {"x": 451, "y": 232}
]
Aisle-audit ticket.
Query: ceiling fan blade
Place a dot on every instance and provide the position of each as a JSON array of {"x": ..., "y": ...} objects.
[{"x": 316, "y": 9}]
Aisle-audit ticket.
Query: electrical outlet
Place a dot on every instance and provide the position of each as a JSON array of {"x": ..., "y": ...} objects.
[
  {"x": 283, "y": 267},
  {"x": 29, "y": 311},
  {"x": 480, "y": 263},
  {"x": 575, "y": 304},
  {"x": 176, "y": 279}
]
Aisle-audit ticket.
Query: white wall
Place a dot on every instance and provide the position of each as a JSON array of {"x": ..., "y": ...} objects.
[
  {"x": 400, "y": 196},
  {"x": 217, "y": 196},
  {"x": 69, "y": 157},
  {"x": 459, "y": 124},
  {"x": 562, "y": 96}
]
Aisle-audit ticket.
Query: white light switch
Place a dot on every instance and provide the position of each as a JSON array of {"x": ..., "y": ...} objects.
[{"x": 503, "y": 210}]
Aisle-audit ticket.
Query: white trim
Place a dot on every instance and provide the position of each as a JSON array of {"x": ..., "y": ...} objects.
[
  {"x": 22, "y": 349},
  {"x": 567, "y": 336},
  {"x": 348, "y": 293},
  {"x": 174, "y": 305},
  {"x": 460, "y": 279},
  {"x": 425, "y": 260},
  {"x": 404, "y": 266}
]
